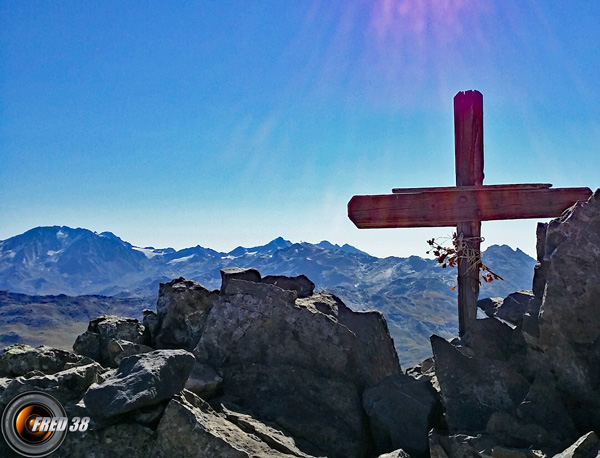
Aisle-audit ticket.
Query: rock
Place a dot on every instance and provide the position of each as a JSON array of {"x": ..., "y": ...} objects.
[
  {"x": 506, "y": 452},
  {"x": 149, "y": 415},
  {"x": 123, "y": 440},
  {"x": 460, "y": 445},
  {"x": 196, "y": 430},
  {"x": 514, "y": 433},
  {"x": 229, "y": 273},
  {"x": 19, "y": 359},
  {"x": 204, "y": 381},
  {"x": 568, "y": 342},
  {"x": 511, "y": 308},
  {"x": 425, "y": 371},
  {"x": 141, "y": 380},
  {"x": 301, "y": 363},
  {"x": 66, "y": 386},
  {"x": 322, "y": 411},
  {"x": 489, "y": 305},
  {"x": 401, "y": 411},
  {"x": 301, "y": 284},
  {"x": 267, "y": 433},
  {"x": 473, "y": 388},
  {"x": 395, "y": 454},
  {"x": 544, "y": 406},
  {"x": 151, "y": 324},
  {"x": 587, "y": 446},
  {"x": 514, "y": 306},
  {"x": 94, "y": 342},
  {"x": 121, "y": 349},
  {"x": 491, "y": 338},
  {"x": 182, "y": 309}
]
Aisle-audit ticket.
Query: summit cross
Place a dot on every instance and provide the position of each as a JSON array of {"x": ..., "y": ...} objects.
[{"x": 466, "y": 204}]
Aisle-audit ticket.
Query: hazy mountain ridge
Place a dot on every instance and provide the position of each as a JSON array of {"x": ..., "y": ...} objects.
[{"x": 413, "y": 293}]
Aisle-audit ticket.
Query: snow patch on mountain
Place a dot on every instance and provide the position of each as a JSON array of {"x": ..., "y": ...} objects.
[{"x": 148, "y": 252}]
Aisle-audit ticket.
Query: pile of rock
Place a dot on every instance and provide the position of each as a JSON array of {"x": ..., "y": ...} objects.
[{"x": 262, "y": 368}]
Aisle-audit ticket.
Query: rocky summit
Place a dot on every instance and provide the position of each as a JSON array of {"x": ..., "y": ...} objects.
[{"x": 267, "y": 367}]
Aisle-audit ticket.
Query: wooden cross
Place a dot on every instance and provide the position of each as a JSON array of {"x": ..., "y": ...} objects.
[{"x": 465, "y": 205}]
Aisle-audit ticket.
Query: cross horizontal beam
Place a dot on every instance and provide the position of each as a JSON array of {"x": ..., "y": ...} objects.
[{"x": 447, "y": 207}]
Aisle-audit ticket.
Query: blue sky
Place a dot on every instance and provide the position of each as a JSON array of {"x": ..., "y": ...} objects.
[{"x": 232, "y": 123}]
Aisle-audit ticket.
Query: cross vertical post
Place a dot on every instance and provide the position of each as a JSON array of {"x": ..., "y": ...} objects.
[{"x": 468, "y": 149}]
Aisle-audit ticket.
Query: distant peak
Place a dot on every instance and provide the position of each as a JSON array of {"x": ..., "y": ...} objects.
[{"x": 346, "y": 248}]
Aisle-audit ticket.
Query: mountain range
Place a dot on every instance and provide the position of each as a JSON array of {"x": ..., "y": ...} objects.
[{"x": 415, "y": 294}]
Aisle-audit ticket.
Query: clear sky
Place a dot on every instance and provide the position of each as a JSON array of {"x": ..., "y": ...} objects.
[{"x": 232, "y": 123}]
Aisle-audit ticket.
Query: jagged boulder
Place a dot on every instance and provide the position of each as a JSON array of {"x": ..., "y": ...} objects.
[
  {"x": 151, "y": 324},
  {"x": 204, "y": 381},
  {"x": 302, "y": 363},
  {"x": 395, "y": 454},
  {"x": 66, "y": 386},
  {"x": 121, "y": 349},
  {"x": 94, "y": 342},
  {"x": 238, "y": 273},
  {"x": 564, "y": 338},
  {"x": 127, "y": 440},
  {"x": 190, "y": 427},
  {"x": 512, "y": 308},
  {"x": 20, "y": 359},
  {"x": 182, "y": 309},
  {"x": 268, "y": 433},
  {"x": 587, "y": 446},
  {"x": 401, "y": 412},
  {"x": 474, "y": 387},
  {"x": 301, "y": 284},
  {"x": 141, "y": 380}
]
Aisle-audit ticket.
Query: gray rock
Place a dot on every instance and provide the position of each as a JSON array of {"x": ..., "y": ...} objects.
[
  {"x": 568, "y": 341},
  {"x": 182, "y": 309},
  {"x": 512, "y": 432},
  {"x": 121, "y": 349},
  {"x": 229, "y": 273},
  {"x": 402, "y": 411},
  {"x": 460, "y": 445},
  {"x": 94, "y": 342},
  {"x": 196, "y": 430},
  {"x": 489, "y": 305},
  {"x": 141, "y": 380},
  {"x": 204, "y": 381},
  {"x": 269, "y": 434},
  {"x": 149, "y": 415},
  {"x": 490, "y": 338},
  {"x": 514, "y": 306},
  {"x": 311, "y": 359},
  {"x": 66, "y": 386},
  {"x": 508, "y": 452},
  {"x": 587, "y": 446},
  {"x": 19, "y": 359},
  {"x": 151, "y": 324},
  {"x": 123, "y": 440},
  {"x": 511, "y": 308},
  {"x": 395, "y": 454},
  {"x": 301, "y": 284},
  {"x": 322, "y": 411},
  {"x": 543, "y": 405},
  {"x": 473, "y": 388}
]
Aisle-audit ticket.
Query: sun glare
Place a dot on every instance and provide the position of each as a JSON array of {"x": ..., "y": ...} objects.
[{"x": 398, "y": 20}]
